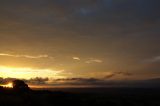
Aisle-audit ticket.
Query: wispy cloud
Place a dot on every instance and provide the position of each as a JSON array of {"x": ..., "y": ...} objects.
[
  {"x": 76, "y": 58},
  {"x": 25, "y": 56},
  {"x": 153, "y": 60},
  {"x": 94, "y": 61}
]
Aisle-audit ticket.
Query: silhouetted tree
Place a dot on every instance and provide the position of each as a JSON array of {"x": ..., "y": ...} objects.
[{"x": 20, "y": 85}]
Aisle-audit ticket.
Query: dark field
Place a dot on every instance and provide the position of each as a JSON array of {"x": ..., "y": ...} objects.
[{"x": 82, "y": 97}]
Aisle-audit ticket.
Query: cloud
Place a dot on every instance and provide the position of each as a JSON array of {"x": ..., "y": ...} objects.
[
  {"x": 107, "y": 80},
  {"x": 125, "y": 73},
  {"x": 6, "y": 80},
  {"x": 38, "y": 80},
  {"x": 62, "y": 81},
  {"x": 94, "y": 61},
  {"x": 76, "y": 58},
  {"x": 153, "y": 60},
  {"x": 35, "y": 81},
  {"x": 25, "y": 56},
  {"x": 114, "y": 74},
  {"x": 88, "y": 82},
  {"x": 121, "y": 32},
  {"x": 76, "y": 81},
  {"x": 110, "y": 76}
]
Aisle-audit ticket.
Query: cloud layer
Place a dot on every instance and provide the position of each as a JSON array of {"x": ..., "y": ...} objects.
[
  {"x": 83, "y": 36},
  {"x": 94, "y": 61},
  {"x": 25, "y": 56}
]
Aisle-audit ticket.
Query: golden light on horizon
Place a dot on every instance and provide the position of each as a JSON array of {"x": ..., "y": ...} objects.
[
  {"x": 27, "y": 73},
  {"x": 9, "y": 85}
]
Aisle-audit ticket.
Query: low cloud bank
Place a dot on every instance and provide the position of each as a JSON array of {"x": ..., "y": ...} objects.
[{"x": 91, "y": 82}]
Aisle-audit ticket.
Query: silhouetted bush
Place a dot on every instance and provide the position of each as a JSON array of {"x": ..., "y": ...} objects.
[{"x": 19, "y": 85}]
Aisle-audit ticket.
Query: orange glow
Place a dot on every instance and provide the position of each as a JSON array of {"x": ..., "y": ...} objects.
[
  {"x": 9, "y": 85},
  {"x": 27, "y": 73}
]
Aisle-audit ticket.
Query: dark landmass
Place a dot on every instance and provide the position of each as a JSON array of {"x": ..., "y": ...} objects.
[{"x": 81, "y": 97}]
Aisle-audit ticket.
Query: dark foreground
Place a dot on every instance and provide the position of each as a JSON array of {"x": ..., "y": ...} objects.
[{"x": 82, "y": 97}]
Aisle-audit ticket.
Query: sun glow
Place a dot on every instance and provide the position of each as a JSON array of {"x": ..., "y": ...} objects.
[
  {"x": 9, "y": 85},
  {"x": 28, "y": 73}
]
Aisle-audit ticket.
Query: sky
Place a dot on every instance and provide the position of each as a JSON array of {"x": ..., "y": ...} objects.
[{"x": 79, "y": 40}]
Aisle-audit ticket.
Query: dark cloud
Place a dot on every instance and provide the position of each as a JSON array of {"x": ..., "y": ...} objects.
[
  {"x": 87, "y": 82},
  {"x": 107, "y": 80},
  {"x": 76, "y": 81},
  {"x": 38, "y": 80},
  {"x": 114, "y": 74},
  {"x": 110, "y": 76},
  {"x": 92, "y": 82}
]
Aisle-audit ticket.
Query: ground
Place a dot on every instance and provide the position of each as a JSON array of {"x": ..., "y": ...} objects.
[{"x": 82, "y": 97}]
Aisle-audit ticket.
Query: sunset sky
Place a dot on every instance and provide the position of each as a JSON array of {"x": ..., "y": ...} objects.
[{"x": 79, "y": 40}]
